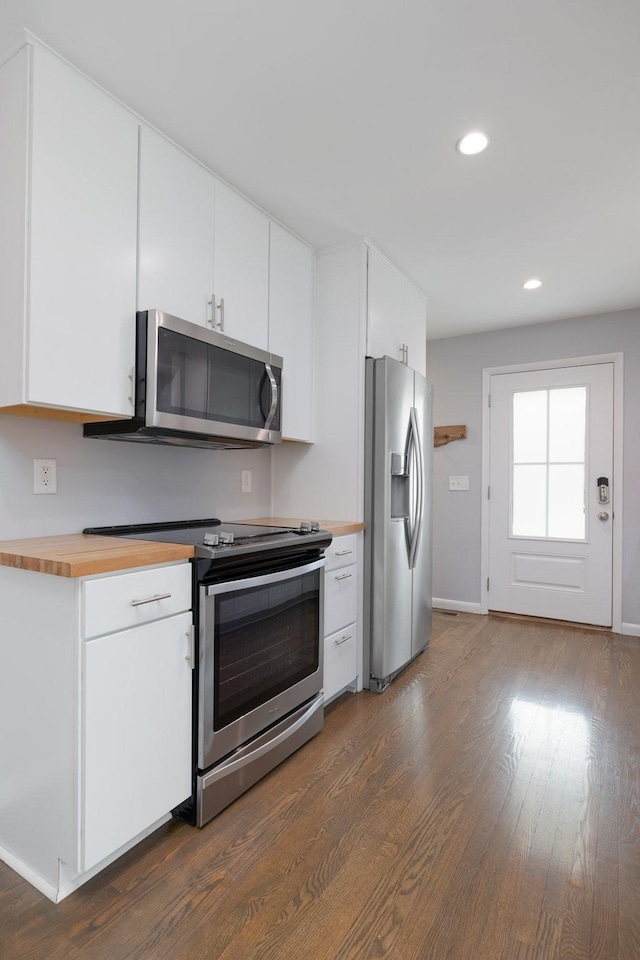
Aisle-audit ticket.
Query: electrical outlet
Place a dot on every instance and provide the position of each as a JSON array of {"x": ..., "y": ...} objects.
[
  {"x": 245, "y": 481},
  {"x": 44, "y": 476},
  {"x": 458, "y": 483}
]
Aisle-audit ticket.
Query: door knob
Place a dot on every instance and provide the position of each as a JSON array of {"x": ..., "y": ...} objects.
[{"x": 603, "y": 515}]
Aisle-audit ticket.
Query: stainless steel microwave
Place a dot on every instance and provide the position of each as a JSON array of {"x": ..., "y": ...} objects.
[{"x": 195, "y": 387}]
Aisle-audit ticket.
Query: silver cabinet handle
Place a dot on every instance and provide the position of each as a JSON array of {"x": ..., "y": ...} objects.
[
  {"x": 342, "y": 553},
  {"x": 156, "y": 596},
  {"x": 216, "y": 324},
  {"x": 603, "y": 515},
  {"x": 344, "y": 576},
  {"x": 344, "y": 639},
  {"x": 191, "y": 637}
]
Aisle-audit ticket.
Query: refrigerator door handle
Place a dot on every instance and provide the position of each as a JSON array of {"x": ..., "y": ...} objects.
[{"x": 415, "y": 451}]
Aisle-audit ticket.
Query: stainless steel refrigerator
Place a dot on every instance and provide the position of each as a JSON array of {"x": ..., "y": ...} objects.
[{"x": 398, "y": 457}]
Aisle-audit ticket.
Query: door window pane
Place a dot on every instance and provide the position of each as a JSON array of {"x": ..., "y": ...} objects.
[
  {"x": 529, "y": 500},
  {"x": 567, "y": 424},
  {"x": 548, "y": 474},
  {"x": 566, "y": 501},
  {"x": 530, "y": 426}
]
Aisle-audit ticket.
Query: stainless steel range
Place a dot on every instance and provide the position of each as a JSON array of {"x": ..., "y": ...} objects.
[{"x": 258, "y": 614}]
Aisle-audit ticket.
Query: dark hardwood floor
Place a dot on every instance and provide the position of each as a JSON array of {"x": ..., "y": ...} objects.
[{"x": 485, "y": 807}]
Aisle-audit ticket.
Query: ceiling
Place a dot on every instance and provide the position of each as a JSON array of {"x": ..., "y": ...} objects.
[{"x": 340, "y": 117}]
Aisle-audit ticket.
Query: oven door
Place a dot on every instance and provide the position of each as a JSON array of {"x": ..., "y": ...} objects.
[{"x": 260, "y": 654}]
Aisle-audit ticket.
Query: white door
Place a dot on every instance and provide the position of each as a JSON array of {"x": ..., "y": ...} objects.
[
  {"x": 241, "y": 268},
  {"x": 175, "y": 234},
  {"x": 384, "y": 332},
  {"x": 291, "y": 276},
  {"x": 136, "y": 732},
  {"x": 82, "y": 261},
  {"x": 550, "y": 526}
]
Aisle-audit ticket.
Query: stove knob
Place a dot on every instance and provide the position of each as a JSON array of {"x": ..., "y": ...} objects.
[
  {"x": 211, "y": 539},
  {"x": 315, "y": 526},
  {"x": 305, "y": 527},
  {"x": 226, "y": 537}
]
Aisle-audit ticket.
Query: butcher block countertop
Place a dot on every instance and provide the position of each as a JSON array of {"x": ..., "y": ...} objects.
[
  {"x": 82, "y": 555},
  {"x": 85, "y": 555},
  {"x": 335, "y": 527}
]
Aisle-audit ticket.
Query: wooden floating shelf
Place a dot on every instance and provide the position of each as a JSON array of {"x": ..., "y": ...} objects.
[{"x": 442, "y": 435}]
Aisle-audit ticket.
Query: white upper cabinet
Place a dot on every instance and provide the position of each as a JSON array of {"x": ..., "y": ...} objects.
[
  {"x": 241, "y": 268},
  {"x": 176, "y": 223},
  {"x": 414, "y": 327},
  {"x": 68, "y": 221},
  {"x": 100, "y": 215},
  {"x": 397, "y": 321},
  {"x": 385, "y": 309},
  {"x": 291, "y": 293}
]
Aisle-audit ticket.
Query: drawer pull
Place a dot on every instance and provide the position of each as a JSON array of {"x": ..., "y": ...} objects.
[
  {"x": 344, "y": 576},
  {"x": 343, "y": 553},
  {"x": 157, "y": 596},
  {"x": 344, "y": 639}
]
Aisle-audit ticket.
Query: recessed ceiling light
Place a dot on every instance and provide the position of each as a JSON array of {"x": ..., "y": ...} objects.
[
  {"x": 532, "y": 284},
  {"x": 473, "y": 143}
]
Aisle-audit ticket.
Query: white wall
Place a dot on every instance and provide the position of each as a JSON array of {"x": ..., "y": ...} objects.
[
  {"x": 105, "y": 482},
  {"x": 454, "y": 366}
]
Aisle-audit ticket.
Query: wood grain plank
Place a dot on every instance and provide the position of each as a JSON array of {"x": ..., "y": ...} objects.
[{"x": 81, "y": 555}]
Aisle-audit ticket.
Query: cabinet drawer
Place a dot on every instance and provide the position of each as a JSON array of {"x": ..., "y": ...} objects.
[
  {"x": 128, "y": 599},
  {"x": 340, "y": 667},
  {"x": 340, "y": 598},
  {"x": 342, "y": 552}
]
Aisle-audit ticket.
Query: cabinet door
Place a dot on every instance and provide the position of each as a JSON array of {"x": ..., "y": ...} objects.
[
  {"x": 340, "y": 667},
  {"x": 175, "y": 245},
  {"x": 136, "y": 732},
  {"x": 241, "y": 267},
  {"x": 414, "y": 327},
  {"x": 340, "y": 598},
  {"x": 83, "y": 222},
  {"x": 291, "y": 289},
  {"x": 384, "y": 333}
]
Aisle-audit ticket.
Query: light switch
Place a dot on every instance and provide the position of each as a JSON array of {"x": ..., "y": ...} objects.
[{"x": 458, "y": 483}]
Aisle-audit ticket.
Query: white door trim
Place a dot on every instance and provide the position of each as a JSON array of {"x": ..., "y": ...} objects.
[{"x": 618, "y": 369}]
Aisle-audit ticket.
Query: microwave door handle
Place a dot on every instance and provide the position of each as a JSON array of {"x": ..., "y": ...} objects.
[{"x": 274, "y": 396}]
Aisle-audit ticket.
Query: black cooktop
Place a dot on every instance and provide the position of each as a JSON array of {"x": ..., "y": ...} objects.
[{"x": 214, "y": 538}]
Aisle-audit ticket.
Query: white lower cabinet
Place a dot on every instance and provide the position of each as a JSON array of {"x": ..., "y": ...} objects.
[
  {"x": 341, "y": 616},
  {"x": 340, "y": 664},
  {"x": 96, "y": 690},
  {"x": 136, "y": 720}
]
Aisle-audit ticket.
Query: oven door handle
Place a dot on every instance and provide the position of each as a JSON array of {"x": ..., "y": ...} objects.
[
  {"x": 233, "y": 764},
  {"x": 231, "y": 585}
]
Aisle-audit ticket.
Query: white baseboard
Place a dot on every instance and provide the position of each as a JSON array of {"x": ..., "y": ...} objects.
[
  {"x": 50, "y": 890},
  {"x": 630, "y": 629},
  {"x": 459, "y": 605},
  {"x": 68, "y": 879}
]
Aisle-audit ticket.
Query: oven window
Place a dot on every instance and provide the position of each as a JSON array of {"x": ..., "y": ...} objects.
[{"x": 266, "y": 639}]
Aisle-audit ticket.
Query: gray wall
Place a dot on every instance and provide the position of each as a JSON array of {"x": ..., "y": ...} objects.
[
  {"x": 103, "y": 482},
  {"x": 454, "y": 366}
]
